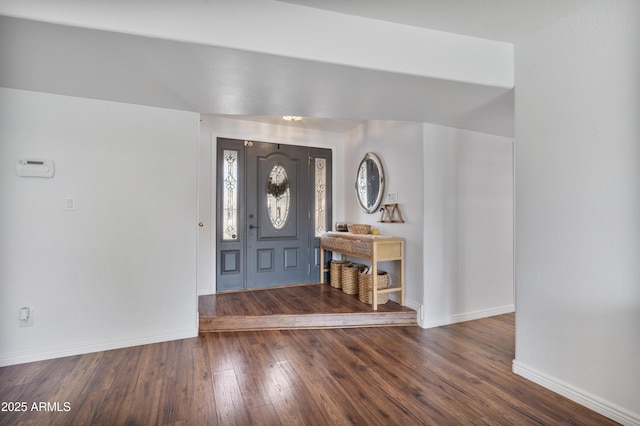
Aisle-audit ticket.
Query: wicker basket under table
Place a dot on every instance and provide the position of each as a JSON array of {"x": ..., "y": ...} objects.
[
  {"x": 350, "y": 284},
  {"x": 364, "y": 292},
  {"x": 335, "y": 273}
]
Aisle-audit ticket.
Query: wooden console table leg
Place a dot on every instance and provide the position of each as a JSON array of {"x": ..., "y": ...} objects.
[
  {"x": 374, "y": 279},
  {"x": 402, "y": 280}
]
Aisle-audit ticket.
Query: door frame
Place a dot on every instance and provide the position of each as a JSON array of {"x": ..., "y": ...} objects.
[
  {"x": 207, "y": 180},
  {"x": 212, "y": 128}
]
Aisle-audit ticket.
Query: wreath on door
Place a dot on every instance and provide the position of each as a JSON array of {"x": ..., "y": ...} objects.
[{"x": 277, "y": 189}]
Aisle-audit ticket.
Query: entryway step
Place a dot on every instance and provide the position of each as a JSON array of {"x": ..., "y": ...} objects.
[
  {"x": 306, "y": 321},
  {"x": 296, "y": 307}
]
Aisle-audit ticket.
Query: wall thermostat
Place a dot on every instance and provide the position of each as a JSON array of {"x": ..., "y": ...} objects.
[{"x": 35, "y": 168}]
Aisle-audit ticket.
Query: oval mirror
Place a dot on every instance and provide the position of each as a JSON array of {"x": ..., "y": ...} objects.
[{"x": 369, "y": 183}]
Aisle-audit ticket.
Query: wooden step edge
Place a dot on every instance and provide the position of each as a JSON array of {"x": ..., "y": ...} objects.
[{"x": 306, "y": 321}]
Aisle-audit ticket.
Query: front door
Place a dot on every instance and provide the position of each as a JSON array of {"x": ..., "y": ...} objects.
[{"x": 273, "y": 203}]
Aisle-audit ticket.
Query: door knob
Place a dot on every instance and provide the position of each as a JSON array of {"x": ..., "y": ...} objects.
[
  {"x": 200, "y": 224},
  {"x": 253, "y": 227}
]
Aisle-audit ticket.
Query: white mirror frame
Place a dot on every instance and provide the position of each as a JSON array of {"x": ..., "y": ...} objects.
[{"x": 362, "y": 184}]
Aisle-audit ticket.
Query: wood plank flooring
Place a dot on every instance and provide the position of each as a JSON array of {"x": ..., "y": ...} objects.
[
  {"x": 453, "y": 375},
  {"x": 296, "y": 307}
]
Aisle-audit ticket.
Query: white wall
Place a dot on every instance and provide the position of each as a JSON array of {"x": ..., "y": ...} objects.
[
  {"x": 214, "y": 127},
  {"x": 468, "y": 225},
  {"x": 578, "y": 208},
  {"x": 455, "y": 191},
  {"x": 119, "y": 270},
  {"x": 399, "y": 146}
]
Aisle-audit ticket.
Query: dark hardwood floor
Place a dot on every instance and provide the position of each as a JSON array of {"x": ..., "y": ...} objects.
[
  {"x": 296, "y": 307},
  {"x": 453, "y": 375}
]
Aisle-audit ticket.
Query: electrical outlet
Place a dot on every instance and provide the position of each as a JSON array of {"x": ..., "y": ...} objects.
[
  {"x": 25, "y": 317},
  {"x": 69, "y": 203},
  {"x": 392, "y": 197}
]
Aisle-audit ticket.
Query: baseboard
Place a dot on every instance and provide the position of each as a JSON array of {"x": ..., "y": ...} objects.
[
  {"x": 96, "y": 346},
  {"x": 469, "y": 316},
  {"x": 206, "y": 291},
  {"x": 580, "y": 396},
  {"x": 413, "y": 305}
]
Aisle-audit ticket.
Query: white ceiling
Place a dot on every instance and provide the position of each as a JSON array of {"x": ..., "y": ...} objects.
[
  {"x": 91, "y": 58},
  {"x": 502, "y": 20}
]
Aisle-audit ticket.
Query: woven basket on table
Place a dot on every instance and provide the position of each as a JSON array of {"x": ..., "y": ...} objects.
[
  {"x": 350, "y": 284},
  {"x": 335, "y": 274},
  {"x": 365, "y": 287},
  {"x": 359, "y": 228}
]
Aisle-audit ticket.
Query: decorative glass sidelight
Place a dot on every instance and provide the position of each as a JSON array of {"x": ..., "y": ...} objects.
[
  {"x": 230, "y": 196},
  {"x": 320, "y": 180},
  {"x": 278, "y": 197}
]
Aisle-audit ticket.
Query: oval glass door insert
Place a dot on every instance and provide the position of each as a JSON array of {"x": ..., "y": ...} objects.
[{"x": 278, "y": 197}]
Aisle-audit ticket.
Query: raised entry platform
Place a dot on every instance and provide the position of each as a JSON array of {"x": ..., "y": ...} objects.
[{"x": 296, "y": 307}]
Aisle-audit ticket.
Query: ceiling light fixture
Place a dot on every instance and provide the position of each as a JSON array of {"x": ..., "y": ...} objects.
[{"x": 291, "y": 117}]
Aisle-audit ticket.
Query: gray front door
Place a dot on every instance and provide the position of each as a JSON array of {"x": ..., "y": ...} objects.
[{"x": 273, "y": 202}]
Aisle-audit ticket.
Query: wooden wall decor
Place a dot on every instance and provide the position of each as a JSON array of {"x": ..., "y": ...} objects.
[{"x": 391, "y": 214}]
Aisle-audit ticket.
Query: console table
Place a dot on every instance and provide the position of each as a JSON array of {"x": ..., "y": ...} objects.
[{"x": 374, "y": 248}]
